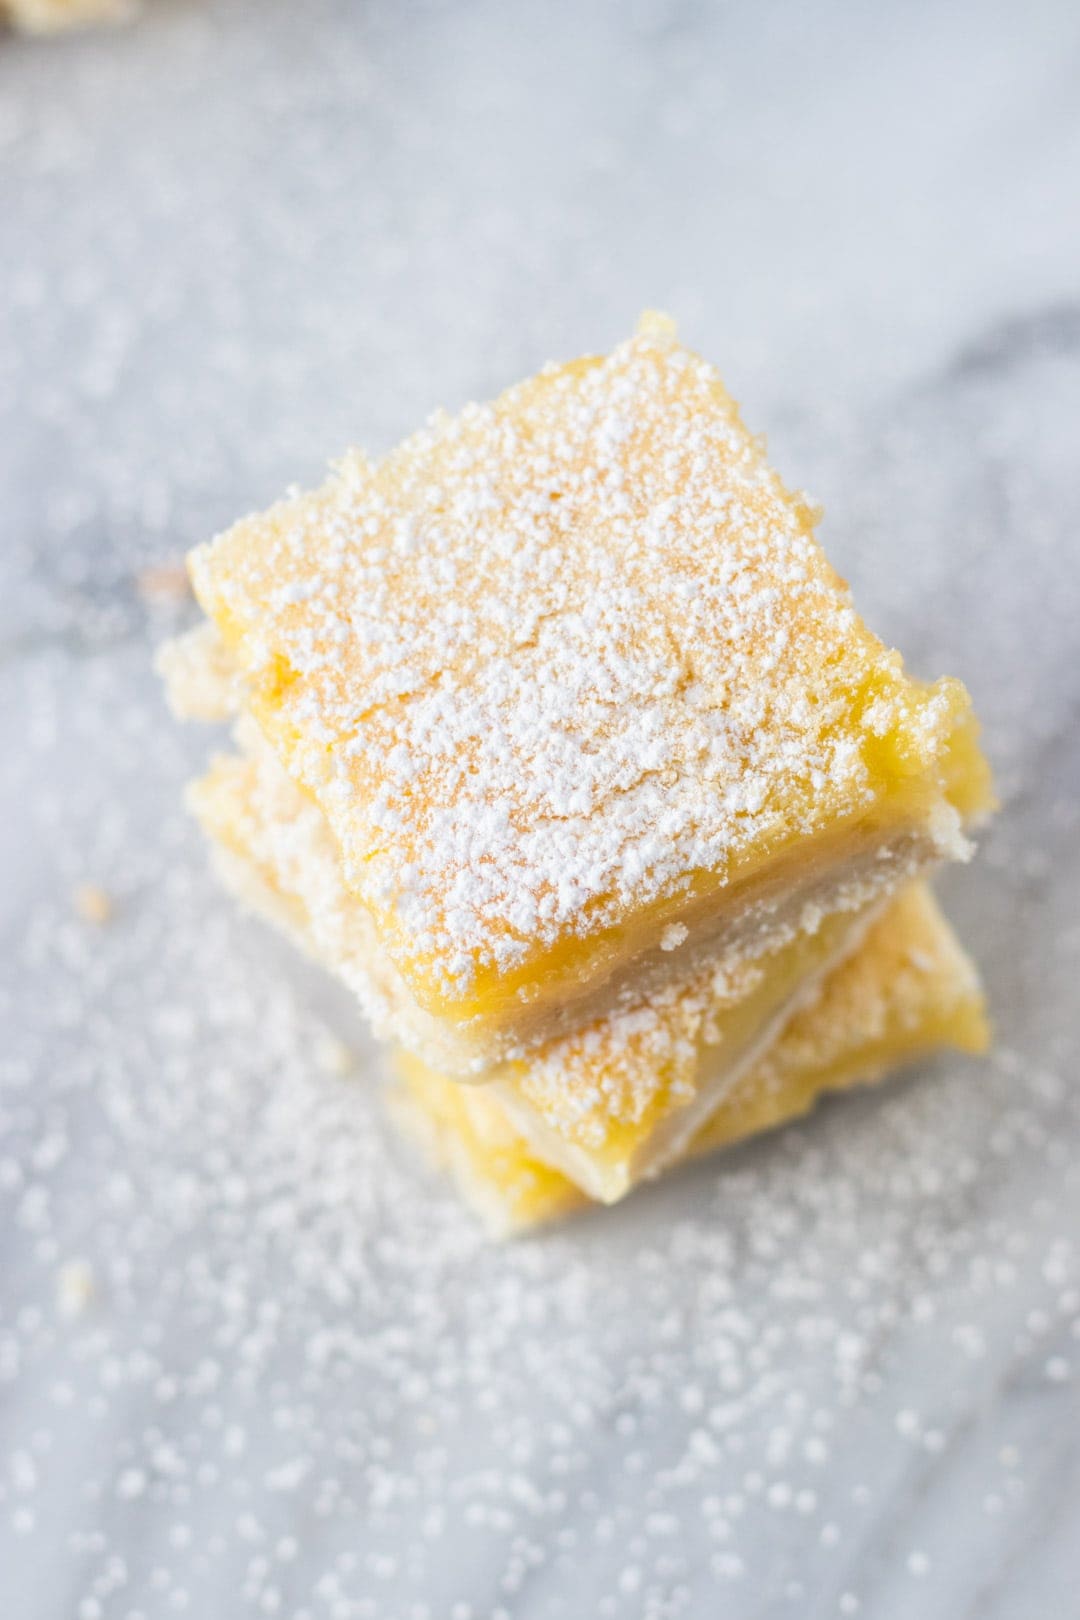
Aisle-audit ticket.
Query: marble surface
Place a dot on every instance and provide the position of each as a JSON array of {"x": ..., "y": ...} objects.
[{"x": 254, "y": 1359}]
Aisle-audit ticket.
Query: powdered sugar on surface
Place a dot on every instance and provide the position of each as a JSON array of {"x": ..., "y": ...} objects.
[
  {"x": 253, "y": 1359},
  {"x": 306, "y": 1381}
]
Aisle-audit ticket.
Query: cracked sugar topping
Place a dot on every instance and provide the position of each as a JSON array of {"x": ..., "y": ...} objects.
[{"x": 553, "y": 655}]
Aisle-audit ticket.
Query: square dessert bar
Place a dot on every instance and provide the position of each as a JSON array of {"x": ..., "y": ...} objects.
[
  {"x": 581, "y": 700},
  {"x": 907, "y": 990}
]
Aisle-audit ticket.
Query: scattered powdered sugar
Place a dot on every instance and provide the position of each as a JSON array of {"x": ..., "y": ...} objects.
[{"x": 301, "y": 1362}]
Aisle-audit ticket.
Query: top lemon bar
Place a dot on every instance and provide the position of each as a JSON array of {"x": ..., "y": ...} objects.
[{"x": 578, "y": 692}]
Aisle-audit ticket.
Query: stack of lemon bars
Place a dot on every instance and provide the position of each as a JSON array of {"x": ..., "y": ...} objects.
[{"x": 560, "y": 741}]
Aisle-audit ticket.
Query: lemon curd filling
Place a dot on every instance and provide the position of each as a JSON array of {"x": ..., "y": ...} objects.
[
  {"x": 906, "y": 990},
  {"x": 579, "y": 697}
]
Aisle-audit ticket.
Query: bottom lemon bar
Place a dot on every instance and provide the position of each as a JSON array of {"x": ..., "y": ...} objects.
[{"x": 906, "y": 990}]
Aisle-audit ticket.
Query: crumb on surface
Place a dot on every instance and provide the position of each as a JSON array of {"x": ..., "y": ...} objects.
[
  {"x": 163, "y": 582},
  {"x": 76, "y": 1286},
  {"x": 333, "y": 1055},
  {"x": 92, "y": 903}
]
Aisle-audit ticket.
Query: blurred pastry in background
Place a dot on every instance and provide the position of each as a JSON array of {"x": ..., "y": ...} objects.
[{"x": 64, "y": 16}]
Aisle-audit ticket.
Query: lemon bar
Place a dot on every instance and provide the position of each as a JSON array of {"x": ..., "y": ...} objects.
[
  {"x": 906, "y": 991},
  {"x": 581, "y": 700}
]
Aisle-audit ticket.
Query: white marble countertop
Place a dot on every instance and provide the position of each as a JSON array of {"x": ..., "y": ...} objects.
[{"x": 254, "y": 1359}]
